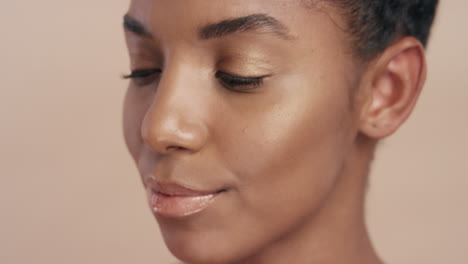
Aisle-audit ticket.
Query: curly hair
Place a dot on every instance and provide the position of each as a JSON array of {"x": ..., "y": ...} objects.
[{"x": 375, "y": 24}]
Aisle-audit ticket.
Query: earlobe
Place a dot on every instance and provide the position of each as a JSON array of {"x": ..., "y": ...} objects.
[{"x": 395, "y": 82}]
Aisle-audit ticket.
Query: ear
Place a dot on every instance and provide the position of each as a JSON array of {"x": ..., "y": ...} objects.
[{"x": 392, "y": 86}]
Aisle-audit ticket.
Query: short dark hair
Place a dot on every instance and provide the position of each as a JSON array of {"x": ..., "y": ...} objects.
[{"x": 375, "y": 24}]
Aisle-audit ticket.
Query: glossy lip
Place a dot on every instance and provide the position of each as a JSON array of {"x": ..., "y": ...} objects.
[
  {"x": 173, "y": 189},
  {"x": 175, "y": 201}
]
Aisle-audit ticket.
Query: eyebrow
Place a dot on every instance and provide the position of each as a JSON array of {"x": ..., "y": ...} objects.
[{"x": 254, "y": 22}]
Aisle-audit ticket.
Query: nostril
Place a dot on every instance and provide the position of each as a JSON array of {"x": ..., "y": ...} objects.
[{"x": 172, "y": 132}]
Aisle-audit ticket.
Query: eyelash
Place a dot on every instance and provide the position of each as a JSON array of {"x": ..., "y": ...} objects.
[
  {"x": 229, "y": 81},
  {"x": 239, "y": 83},
  {"x": 140, "y": 74}
]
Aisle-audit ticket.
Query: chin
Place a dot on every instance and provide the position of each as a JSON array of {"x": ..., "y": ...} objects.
[
  {"x": 193, "y": 244},
  {"x": 201, "y": 251}
]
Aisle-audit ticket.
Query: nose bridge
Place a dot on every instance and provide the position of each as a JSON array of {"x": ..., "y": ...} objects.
[{"x": 173, "y": 120}]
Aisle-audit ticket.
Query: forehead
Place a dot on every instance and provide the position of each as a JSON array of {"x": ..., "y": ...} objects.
[
  {"x": 317, "y": 40},
  {"x": 187, "y": 16}
]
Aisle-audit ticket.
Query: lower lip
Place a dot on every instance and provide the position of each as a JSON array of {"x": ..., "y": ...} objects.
[{"x": 179, "y": 206}]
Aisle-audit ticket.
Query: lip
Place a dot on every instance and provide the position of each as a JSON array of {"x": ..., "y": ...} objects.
[{"x": 175, "y": 201}]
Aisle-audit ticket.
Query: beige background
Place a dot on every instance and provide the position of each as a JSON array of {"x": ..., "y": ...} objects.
[{"x": 69, "y": 192}]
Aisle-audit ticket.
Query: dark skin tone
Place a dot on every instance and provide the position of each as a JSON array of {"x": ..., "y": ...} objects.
[{"x": 279, "y": 113}]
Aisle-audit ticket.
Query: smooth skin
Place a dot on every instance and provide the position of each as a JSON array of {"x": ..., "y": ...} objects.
[{"x": 293, "y": 152}]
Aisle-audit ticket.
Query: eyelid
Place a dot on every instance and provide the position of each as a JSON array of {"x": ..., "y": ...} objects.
[
  {"x": 238, "y": 83},
  {"x": 141, "y": 73},
  {"x": 220, "y": 74}
]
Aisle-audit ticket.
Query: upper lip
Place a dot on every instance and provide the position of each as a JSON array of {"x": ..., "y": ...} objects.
[{"x": 173, "y": 189}]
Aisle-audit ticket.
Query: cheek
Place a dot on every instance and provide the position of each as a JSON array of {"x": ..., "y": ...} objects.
[{"x": 288, "y": 154}]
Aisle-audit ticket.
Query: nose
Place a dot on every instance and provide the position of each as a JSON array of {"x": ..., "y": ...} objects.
[{"x": 174, "y": 120}]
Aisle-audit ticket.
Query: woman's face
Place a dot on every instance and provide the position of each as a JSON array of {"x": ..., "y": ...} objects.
[{"x": 247, "y": 104}]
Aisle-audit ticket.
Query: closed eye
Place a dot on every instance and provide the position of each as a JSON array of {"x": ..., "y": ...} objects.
[
  {"x": 239, "y": 83},
  {"x": 143, "y": 77},
  {"x": 229, "y": 81},
  {"x": 135, "y": 74}
]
